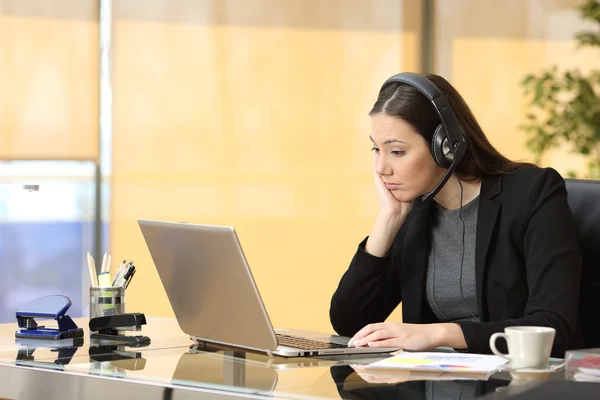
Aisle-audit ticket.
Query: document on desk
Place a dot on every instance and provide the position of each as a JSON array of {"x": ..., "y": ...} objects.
[{"x": 446, "y": 362}]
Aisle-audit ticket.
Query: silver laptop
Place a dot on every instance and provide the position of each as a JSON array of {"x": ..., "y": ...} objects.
[{"x": 215, "y": 299}]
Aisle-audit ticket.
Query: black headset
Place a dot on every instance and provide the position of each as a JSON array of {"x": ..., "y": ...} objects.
[{"x": 448, "y": 145}]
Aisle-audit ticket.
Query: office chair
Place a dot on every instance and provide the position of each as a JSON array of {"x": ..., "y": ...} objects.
[{"x": 584, "y": 201}]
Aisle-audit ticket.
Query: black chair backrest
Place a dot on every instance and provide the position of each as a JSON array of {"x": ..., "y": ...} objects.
[{"x": 584, "y": 201}]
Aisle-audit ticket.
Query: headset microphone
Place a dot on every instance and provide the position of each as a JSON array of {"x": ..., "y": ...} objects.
[{"x": 446, "y": 176}]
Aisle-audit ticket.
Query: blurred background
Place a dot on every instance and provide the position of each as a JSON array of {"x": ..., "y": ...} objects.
[{"x": 253, "y": 113}]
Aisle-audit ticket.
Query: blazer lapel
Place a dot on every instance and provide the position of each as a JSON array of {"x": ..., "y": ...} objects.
[{"x": 486, "y": 222}]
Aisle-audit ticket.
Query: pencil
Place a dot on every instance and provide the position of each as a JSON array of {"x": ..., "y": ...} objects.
[
  {"x": 92, "y": 270},
  {"x": 108, "y": 265},
  {"x": 104, "y": 260}
]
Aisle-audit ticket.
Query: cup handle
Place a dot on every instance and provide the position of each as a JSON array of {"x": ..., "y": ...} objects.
[
  {"x": 493, "y": 344},
  {"x": 558, "y": 366}
]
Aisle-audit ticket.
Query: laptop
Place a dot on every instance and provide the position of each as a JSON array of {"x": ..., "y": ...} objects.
[
  {"x": 215, "y": 299},
  {"x": 286, "y": 363}
]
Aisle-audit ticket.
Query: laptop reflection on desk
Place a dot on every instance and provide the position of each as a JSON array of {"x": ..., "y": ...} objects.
[
  {"x": 215, "y": 299},
  {"x": 247, "y": 370},
  {"x": 224, "y": 368}
]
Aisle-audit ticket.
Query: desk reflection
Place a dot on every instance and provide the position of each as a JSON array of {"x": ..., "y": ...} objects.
[
  {"x": 58, "y": 353},
  {"x": 224, "y": 368},
  {"x": 115, "y": 360},
  {"x": 253, "y": 372},
  {"x": 353, "y": 384}
]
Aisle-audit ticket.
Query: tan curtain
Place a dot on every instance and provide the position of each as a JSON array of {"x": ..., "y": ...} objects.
[
  {"x": 254, "y": 113},
  {"x": 49, "y": 68}
]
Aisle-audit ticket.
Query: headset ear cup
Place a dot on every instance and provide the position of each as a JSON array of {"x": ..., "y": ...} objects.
[{"x": 438, "y": 143}]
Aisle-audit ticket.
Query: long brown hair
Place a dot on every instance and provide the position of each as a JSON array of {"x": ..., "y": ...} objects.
[{"x": 481, "y": 160}]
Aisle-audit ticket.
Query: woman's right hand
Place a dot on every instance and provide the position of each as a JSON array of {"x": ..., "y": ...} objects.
[
  {"x": 389, "y": 204},
  {"x": 392, "y": 215}
]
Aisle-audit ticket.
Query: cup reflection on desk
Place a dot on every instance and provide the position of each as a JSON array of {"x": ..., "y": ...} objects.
[{"x": 106, "y": 301}]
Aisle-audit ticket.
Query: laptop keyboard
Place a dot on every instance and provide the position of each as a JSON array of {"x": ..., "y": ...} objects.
[{"x": 306, "y": 344}]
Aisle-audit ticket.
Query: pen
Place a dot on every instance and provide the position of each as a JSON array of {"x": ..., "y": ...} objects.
[
  {"x": 119, "y": 273},
  {"x": 129, "y": 278},
  {"x": 128, "y": 271}
]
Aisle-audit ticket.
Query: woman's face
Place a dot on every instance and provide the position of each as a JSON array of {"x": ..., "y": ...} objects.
[{"x": 402, "y": 158}]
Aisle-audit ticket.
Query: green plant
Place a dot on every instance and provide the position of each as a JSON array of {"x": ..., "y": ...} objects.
[{"x": 565, "y": 106}]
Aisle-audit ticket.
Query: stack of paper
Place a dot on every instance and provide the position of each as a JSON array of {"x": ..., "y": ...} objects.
[
  {"x": 443, "y": 362},
  {"x": 583, "y": 365},
  {"x": 585, "y": 369}
]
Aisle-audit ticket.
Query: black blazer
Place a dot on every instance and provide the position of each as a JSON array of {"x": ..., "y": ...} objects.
[
  {"x": 527, "y": 266},
  {"x": 350, "y": 386}
]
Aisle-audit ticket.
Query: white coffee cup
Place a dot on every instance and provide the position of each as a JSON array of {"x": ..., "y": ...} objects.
[{"x": 528, "y": 346}]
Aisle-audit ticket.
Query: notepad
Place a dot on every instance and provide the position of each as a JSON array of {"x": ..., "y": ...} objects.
[{"x": 447, "y": 362}]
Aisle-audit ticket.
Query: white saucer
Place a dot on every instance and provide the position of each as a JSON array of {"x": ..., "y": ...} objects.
[{"x": 531, "y": 373}]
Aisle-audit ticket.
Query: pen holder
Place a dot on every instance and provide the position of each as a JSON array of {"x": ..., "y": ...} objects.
[{"x": 106, "y": 301}]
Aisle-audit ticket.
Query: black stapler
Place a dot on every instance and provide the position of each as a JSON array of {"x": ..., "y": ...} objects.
[
  {"x": 53, "y": 306},
  {"x": 109, "y": 327},
  {"x": 118, "y": 356}
]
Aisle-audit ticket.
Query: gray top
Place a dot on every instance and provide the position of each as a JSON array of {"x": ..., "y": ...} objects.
[
  {"x": 450, "y": 390},
  {"x": 444, "y": 278}
]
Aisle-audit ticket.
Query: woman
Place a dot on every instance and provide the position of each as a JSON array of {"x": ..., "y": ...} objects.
[{"x": 493, "y": 246}]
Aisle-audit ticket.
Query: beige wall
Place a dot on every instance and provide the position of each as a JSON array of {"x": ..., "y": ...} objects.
[
  {"x": 487, "y": 47},
  {"x": 49, "y": 62},
  {"x": 257, "y": 120},
  {"x": 253, "y": 114}
]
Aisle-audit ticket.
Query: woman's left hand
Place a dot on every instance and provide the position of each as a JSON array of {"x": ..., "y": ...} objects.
[{"x": 417, "y": 337}]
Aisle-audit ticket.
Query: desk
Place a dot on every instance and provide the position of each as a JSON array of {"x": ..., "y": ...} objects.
[{"x": 173, "y": 367}]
